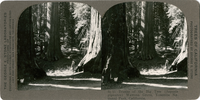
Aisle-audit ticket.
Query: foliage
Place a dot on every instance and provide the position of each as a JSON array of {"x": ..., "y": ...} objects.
[
  {"x": 165, "y": 36},
  {"x": 176, "y": 17},
  {"x": 133, "y": 21},
  {"x": 39, "y": 19},
  {"x": 69, "y": 24},
  {"x": 74, "y": 26},
  {"x": 168, "y": 23},
  {"x": 82, "y": 14}
]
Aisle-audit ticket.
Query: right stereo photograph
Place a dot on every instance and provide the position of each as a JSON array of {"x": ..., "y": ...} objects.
[{"x": 144, "y": 46}]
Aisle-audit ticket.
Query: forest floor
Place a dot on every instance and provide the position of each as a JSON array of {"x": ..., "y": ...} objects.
[
  {"x": 61, "y": 76},
  {"x": 173, "y": 80},
  {"x": 78, "y": 81},
  {"x": 155, "y": 74}
]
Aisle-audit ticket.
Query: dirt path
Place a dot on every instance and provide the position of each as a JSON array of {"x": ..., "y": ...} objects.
[
  {"x": 175, "y": 80},
  {"x": 80, "y": 81},
  {"x": 62, "y": 77},
  {"x": 87, "y": 81}
]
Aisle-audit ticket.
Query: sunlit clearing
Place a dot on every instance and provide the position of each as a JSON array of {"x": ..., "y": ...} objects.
[
  {"x": 63, "y": 72},
  {"x": 156, "y": 71},
  {"x": 67, "y": 86},
  {"x": 156, "y": 85},
  {"x": 183, "y": 78},
  {"x": 78, "y": 79}
]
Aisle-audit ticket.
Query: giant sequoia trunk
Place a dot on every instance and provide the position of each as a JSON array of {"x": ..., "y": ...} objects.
[
  {"x": 180, "y": 63},
  {"x": 54, "y": 51},
  {"x": 148, "y": 46},
  {"x": 27, "y": 65},
  {"x": 115, "y": 62},
  {"x": 91, "y": 62}
]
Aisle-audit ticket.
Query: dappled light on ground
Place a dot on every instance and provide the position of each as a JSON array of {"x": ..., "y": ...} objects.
[
  {"x": 155, "y": 71},
  {"x": 63, "y": 72},
  {"x": 67, "y": 86},
  {"x": 156, "y": 85},
  {"x": 172, "y": 78},
  {"x": 78, "y": 79}
]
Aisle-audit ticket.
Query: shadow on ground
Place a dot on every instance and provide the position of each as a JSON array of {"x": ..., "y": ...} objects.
[
  {"x": 174, "y": 80},
  {"x": 79, "y": 81}
]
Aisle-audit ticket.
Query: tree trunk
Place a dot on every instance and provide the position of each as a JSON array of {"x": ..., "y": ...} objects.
[
  {"x": 148, "y": 46},
  {"x": 91, "y": 60},
  {"x": 54, "y": 52},
  {"x": 115, "y": 62},
  {"x": 180, "y": 63},
  {"x": 27, "y": 67}
]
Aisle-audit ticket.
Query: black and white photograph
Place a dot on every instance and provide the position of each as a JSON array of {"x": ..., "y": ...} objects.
[
  {"x": 144, "y": 46},
  {"x": 59, "y": 47},
  {"x": 99, "y": 49},
  {"x": 136, "y": 45}
]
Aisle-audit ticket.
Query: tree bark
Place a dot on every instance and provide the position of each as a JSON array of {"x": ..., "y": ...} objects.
[
  {"x": 54, "y": 52},
  {"x": 148, "y": 45},
  {"x": 27, "y": 67},
  {"x": 180, "y": 63},
  {"x": 115, "y": 60},
  {"x": 91, "y": 60}
]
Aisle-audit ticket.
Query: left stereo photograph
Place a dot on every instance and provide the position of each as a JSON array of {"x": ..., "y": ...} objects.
[{"x": 58, "y": 47}]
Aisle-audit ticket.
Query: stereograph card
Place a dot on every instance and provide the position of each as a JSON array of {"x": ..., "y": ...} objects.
[{"x": 99, "y": 50}]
